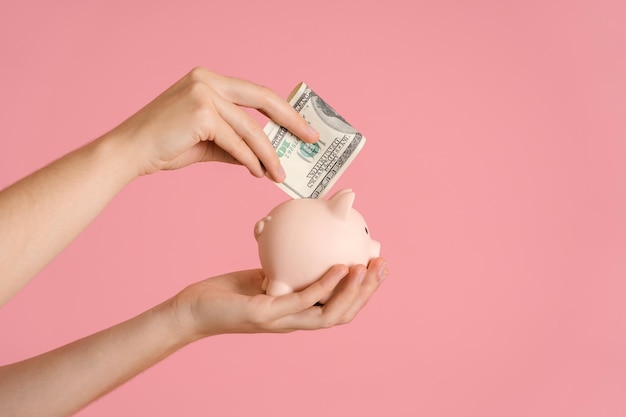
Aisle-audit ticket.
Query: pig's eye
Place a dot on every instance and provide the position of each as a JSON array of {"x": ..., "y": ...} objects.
[{"x": 367, "y": 231}]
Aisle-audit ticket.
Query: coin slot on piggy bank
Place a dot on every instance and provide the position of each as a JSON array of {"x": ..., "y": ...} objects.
[{"x": 301, "y": 239}]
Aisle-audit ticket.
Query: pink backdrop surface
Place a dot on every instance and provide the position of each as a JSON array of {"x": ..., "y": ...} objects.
[{"x": 493, "y": 176}]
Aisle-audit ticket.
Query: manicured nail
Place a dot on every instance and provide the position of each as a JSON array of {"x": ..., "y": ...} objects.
[
  {"x": 361, "y": 277},
  {"x": 281, "y": 173},
  {"x": 383, "y": 271},
  {"x": 313, "y": 132}
]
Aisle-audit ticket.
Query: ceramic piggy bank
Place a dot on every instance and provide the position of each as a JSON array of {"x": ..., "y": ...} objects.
[{"x": 299, "y": 240}]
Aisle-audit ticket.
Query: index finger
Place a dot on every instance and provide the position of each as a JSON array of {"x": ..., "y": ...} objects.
[
  {"x": 249, "y": 94},
  {"x": 298, "y": 301}
]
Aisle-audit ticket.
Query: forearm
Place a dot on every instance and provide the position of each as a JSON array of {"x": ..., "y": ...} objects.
[
  {"x": 42, "y": 213},
  {"x": 62, "y": 381}
]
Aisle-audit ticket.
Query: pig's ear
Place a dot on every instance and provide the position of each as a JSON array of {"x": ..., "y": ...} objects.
[{"x": 341, "y": 202}]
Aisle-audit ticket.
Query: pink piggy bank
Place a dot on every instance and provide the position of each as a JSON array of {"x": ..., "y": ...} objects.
[{"x": 299, "y": 240}]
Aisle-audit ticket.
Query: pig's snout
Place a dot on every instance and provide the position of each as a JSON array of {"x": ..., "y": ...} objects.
[{"x": 374, "y": 249}]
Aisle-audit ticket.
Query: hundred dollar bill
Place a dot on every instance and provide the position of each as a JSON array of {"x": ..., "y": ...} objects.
[{"x": 313, "y": 168}]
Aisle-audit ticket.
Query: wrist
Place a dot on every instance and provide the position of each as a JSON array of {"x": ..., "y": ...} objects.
[
  {"x": 175, "y": 323},
  {"x": 121, "y": 153},
  {"x": 182, "y": 322}
]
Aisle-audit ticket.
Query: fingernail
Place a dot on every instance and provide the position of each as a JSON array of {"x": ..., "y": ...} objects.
[
  {"x": 281, "y": 173},
  {"x": 313, "y": 131},
  {"x": 361, "y": 277},
  {"x": 383, "y": 271}
]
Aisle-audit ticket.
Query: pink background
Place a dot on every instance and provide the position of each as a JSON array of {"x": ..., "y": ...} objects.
[{"x": 493, "y": 176}]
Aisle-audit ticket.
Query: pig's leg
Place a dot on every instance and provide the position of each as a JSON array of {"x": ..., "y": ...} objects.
[{"x": 277, "y": 288}]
